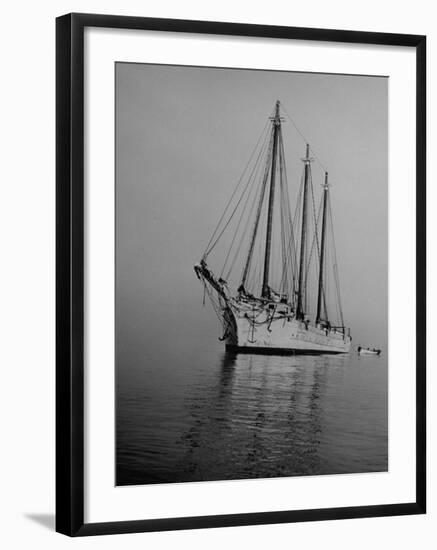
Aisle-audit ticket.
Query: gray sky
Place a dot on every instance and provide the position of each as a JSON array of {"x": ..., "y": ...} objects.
[{"x": 183, "y": 137}]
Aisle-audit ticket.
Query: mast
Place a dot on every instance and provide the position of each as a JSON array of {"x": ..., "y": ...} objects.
[
  {"x": 276, "y": 129},
  {"x": 321, "y": 293},
  {"x": 307, "y": 160},
  {"x": 258, "y": 214}
]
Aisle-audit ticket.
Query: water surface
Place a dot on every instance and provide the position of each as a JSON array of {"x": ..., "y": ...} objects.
[{"x": 206, "y": 414}]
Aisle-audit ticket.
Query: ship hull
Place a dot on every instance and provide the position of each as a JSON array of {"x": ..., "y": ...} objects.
[
  {"x": 282, "y": 335},
  {"x": 258, "y": 350}
]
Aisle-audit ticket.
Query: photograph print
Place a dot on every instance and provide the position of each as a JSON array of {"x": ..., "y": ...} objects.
[{"x": 251, "y": 276}]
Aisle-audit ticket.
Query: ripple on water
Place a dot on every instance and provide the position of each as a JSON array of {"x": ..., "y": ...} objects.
[{"x": 249, "y": 416}]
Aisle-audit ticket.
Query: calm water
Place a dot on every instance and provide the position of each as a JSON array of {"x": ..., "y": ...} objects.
[{"x": 211, "y": 415}]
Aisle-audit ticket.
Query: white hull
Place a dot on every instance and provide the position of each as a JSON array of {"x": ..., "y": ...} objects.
[
  {"x": 281, "y": 335},
  {"x": 368, "y": 352}
]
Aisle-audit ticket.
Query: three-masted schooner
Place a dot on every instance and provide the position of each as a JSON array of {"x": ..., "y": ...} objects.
[{"x": 269, "y": 310}]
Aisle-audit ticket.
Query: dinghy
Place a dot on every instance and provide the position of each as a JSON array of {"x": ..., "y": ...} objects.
[{"x": 368, "y": 351}]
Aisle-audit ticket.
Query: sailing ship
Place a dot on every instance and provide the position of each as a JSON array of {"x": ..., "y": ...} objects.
[{"x": 267, "y": 307}]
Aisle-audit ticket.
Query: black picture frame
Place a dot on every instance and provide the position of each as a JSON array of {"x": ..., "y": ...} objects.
[{"x": 70, "y": 272}]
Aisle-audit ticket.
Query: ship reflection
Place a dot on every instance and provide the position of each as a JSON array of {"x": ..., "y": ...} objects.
[
  {"x": 226, "y": 372},
  {"x": 258, "y": 416}
]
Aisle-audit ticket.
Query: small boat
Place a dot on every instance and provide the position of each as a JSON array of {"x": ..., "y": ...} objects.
[{"x": 368, "y": 351}]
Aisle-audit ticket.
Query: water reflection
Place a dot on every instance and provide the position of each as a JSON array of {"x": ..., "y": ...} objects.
[{"x": 261, "y": 416}]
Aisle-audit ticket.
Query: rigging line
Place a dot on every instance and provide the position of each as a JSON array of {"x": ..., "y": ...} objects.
[
  {"x": 259, "y": 260},
  {"x": 337, "y": 309},
  {"x": 338, "y": 313},
  {"x": 252, "y": 178},
  {"x": 214, "y": 305},
  {"x": 284, "y": 226},
  {"x": 283, "y": 246},
  {"x": 249, "y": 255},
  {"x": 246, "y": 226},
  {"x": 259, "y": 194},
  {"x": 208, "y": 251},
  {"x": 240, "y": 244},
  {"x": 281, "y": 249},
  {"x": 316, "y": 223},
  {"x": 284, "y": 279},
  {"x": 336, "y": 276},
  {"x": 291, "y": 252},
  {"x": 290, "y": 221},
  {"x": 217, "y": 306},
  {"x": 315, "y": 237},
  {"x": 337, "y": 284},
  {"x": 251, "y": 275},
  {"x": 255, "y": 278},
  {"x": 316, "y": 219},
  {"x": 304, "y": 138},
  {"x": 335, "y": 267},
  {"x": 238, "y": 185},
  {"x": 295, "y": 221},
  {"x": 297, "y": 209},
  {"x": 325, "y": 286},
  {"x": 283, "y": 282},
  {"x": 326, "y": 282},
  {"x": 296, "y": 224}
]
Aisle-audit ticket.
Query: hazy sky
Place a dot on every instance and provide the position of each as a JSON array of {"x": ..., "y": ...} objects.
[{"x": 183, "y": 137}]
